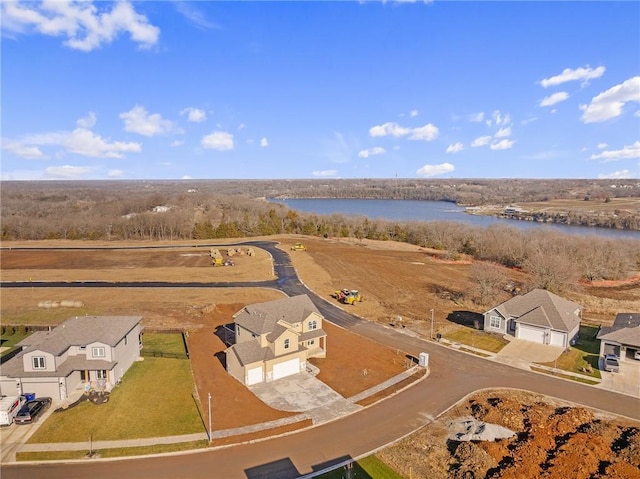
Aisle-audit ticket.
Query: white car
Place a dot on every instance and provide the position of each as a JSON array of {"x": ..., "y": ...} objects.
[{"x": 636, "y": 355}]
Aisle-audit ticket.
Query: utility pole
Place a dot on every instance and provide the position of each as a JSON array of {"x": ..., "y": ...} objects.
[
  {"x": 210, "y": 433},
  {"x": 431, "y": 323}
]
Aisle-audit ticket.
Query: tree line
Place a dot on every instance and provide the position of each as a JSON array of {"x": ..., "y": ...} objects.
[{"x": 174, "y": 211}]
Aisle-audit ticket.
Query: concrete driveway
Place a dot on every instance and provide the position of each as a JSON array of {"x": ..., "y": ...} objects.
[
  {"x": 304, "y": 393},
  {"x": 520, "y": 350},
  {"x": 627, "y": 381}
]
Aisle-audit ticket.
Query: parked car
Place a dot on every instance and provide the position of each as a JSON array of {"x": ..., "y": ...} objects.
[
  {"x": 611, "y": 363},
  {"x": 32, "y": 410},
  {"x": 636, "y": 355}
]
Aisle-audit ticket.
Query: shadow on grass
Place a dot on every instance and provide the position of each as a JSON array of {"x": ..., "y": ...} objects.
[{"x": 467, "y": 318}]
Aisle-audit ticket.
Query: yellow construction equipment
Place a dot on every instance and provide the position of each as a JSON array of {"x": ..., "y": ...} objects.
[
  {"x": 348, "y": 296},
  {"x": 298, "y": 247}
]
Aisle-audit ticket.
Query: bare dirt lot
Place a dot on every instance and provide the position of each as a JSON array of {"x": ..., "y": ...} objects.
[{"x": 400, "y": 284}]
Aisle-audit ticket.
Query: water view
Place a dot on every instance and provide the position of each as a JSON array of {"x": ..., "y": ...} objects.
[{"x": 417, "y": 210}]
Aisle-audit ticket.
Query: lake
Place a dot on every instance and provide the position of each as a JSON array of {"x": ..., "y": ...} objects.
[{"x": 417, "y": 210}]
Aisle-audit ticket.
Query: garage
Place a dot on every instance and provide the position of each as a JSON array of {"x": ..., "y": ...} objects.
[
  {"x": 286, "y": 368},
  {"x": 254, "y": 376},
  {"x": 557, "y": 339},
  {"x": 530, "y": 333}
]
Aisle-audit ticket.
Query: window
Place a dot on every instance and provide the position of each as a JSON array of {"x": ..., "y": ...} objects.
[
  {"x": 311, "y": 342},
  {"x": 494, "y": 322},
  {"x": 101, "y": 374},
  {"x": 313, "y": 324},
  {"x": 38, "y": 362},
  {"x": 97, "y": 352},
  {"x": 286, "y": 343}
]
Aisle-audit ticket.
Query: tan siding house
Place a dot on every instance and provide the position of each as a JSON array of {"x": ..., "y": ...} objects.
[{"x": 275, "y": 339}]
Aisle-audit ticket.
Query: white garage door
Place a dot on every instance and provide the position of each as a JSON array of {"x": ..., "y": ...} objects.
[
  {"x": 557, "y": 339},
  {"x": 254, "y": 376},
  {"x": 286, "y": 368},
  {"x": 531, "y": 334}
]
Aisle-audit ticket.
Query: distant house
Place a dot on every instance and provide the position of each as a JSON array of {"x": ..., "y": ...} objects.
[
  {"x": 275, "y": 339},
  {"x": 538, "y": 316},
  {"x": 83, "y": 352},
  {"x": 623, "y": 338}
]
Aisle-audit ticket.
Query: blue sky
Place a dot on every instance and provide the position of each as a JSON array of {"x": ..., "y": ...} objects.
[{"x": 407, "y": 89}]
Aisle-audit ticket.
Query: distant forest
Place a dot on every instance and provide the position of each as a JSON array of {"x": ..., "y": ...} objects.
[{"x": 190, "y": 209}]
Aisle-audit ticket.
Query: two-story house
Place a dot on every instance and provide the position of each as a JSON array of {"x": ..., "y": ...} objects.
[
  {"x": 84, "y": 351},
  {"x": 275, "y": 339}
]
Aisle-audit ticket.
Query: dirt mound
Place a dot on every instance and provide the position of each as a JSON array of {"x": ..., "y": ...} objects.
[{"x": 553, "y": 440}]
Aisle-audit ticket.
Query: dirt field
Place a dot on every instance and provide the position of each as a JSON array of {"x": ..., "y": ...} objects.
[
  {"x": 553, "y": 440},
  {"x": 400, "y": 284}
]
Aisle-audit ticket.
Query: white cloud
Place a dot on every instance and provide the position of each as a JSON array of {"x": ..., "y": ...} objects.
[
  {"x": 67, "y": 172},
  {"x": 325, "y": 173},
  {"x": 554, "y": 98},
  {"x": 579, "y": 74},
  {"x": 609, "y": 104},
  {"x": 503, "y": 132},
  {"x": 176, "y": 143},
  {"x": 84, "y": 25},
  {"x": 80, "y": 141},
  {"x": 481, "y": 141},
  {"x": 138, "y": 120},
  {"x": 389, "y": 129},
  {"x": 498, "y": 119},
  {"x": 241, "y": 126},
  {"x": 264, "y": 142},
  {"x": 427, "y": 132},
  {"x": 413, "y": 113},
  {"x": 476, "y": 117},
  {"x": 195, "y": 115},
  {"x": 434, "y": 170},
  {"x": 455, "y": 148},
  {"x": 29, "y": 152},
  {"x": 115, "y": 173},
  {"x": 85, "y": 142},
  {"x": 602, "y": 146},
  {"x": 218, "y": 140},
  {"x": 376, "y": 150},
  {"x": 628, "y": 152},
  {"x": 502, "y": 144},
  {"x": 621, "y": 174},
  {"x": 88, "y": 121},
  {"x": 194, "y": 15}
]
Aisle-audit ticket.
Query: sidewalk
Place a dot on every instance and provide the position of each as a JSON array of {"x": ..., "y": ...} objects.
[{"x": 318, "y": 415}]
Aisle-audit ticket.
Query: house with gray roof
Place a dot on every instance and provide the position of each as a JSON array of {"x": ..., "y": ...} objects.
[
  {"x": 538, "y": 316},
  {"x": 89, "y": 352},
  {"x": 622, "y": 338},
  {"x": 275, "y": 339}
]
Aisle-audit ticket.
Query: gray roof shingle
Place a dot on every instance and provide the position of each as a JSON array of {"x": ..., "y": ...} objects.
[
  {"x": 261, "y": 318},
  {"x": 542, "y": 308},
  {"x": 625, "y": 330}
]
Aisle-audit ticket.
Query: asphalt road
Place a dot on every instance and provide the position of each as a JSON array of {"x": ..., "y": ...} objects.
[{"x": 453, "y": 376}]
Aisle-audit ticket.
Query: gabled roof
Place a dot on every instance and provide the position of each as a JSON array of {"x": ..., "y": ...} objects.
[
  {"x": 80, "y": 331},
  {"x": 249, "y": 352},
  {"x": 625, "y": 330},
  {"x": 261, "y": 318},
  {"x": 542, "y": 308}
]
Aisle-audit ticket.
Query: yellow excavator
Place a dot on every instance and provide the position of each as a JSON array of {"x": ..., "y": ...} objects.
[{"x": 348, "y": 296}]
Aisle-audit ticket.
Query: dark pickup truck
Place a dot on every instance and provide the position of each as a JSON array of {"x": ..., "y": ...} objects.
[{"x": 32, "y": 410}]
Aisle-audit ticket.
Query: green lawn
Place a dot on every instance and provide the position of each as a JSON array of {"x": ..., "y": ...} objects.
[
  {"x": 115, "y": 452},
  {"x": 11, "y": 338},
  {"x": 583, "y": 354},
  {"x": 477, "y": 339},
  {"x": 367, "y": 468},
  {"x": 154, "y": 399},
  {"x": 163, "y": 343}
]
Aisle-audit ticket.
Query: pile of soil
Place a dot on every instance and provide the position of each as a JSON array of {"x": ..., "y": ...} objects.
[{"x": 553, "y": 440}]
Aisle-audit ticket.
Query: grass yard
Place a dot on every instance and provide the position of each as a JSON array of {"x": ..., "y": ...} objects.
[
  {"x": 476, "y": 339},
  {"x": 170, "y": 343},
  {"x": 10, "y": 338},
  {"x": 154, "y": 399},
  {"x": 367, "y": 468},
  {"x": 115, "y": 452},
  {"x": 583, "y": 356}
]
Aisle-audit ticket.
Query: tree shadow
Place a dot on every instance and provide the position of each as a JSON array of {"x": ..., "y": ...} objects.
[{"x": 469, "y": 319}]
